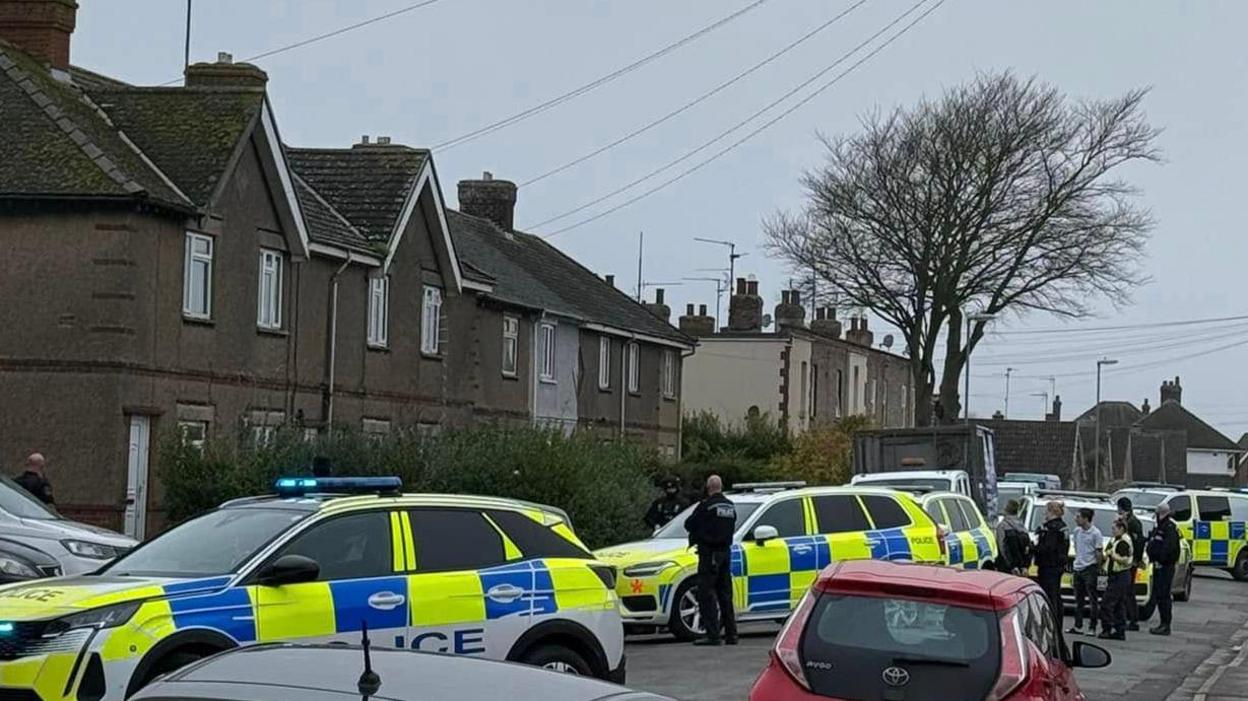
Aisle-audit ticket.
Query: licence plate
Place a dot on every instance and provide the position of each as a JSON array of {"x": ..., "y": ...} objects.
[{"x": 1102, "y": 582}]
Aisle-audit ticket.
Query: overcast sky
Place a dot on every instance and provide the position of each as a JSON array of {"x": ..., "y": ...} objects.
[{"x": 433, "y": 74}]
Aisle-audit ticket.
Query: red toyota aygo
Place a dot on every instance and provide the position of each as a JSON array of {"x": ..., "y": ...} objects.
[{"x": 871, "y": 630}]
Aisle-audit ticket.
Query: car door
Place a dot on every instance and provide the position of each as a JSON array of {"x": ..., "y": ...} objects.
[
  {"x": 360, "y": 581},
  {"x": 841, "y": 520},
  {"x": 961, "y": 548},
  {"x": 778, "y": 571},
  {"x": 472, "y": 591},
  {"x": 1212, "y": 528},
  {"x": 889, "y": 521},
  {"x": 977, "y": 535},
  {"x": 1238, "y": 527},
  {"x": 936, "y": 511}
]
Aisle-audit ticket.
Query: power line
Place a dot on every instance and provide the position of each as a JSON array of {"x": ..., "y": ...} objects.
[
  {"x": 698, "y": 100},
  {"x": 1164, "y": 344},
  {"x": 326, "y": 35},
  {"x": 1122, "y": 327},
  {"x": 587, "y": 87},
  {"x": 789, "y": 110}
]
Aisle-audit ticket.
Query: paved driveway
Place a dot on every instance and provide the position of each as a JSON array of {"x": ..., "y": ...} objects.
[{"x": 1145, "y": 667}]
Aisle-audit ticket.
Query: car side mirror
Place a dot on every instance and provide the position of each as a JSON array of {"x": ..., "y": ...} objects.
[
  {"x": 1089, "y": 656},
  {"x": 762, "y": 534},
  {"x": 288, "y": 569}
]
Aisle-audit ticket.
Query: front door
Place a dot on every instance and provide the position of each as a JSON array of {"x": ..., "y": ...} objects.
[
  {"x": 361, "y": 580},
  {"x": 136, "y": 476},
  {"x": 778, "y": 571}
]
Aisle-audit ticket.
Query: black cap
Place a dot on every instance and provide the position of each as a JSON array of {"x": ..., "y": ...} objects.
[{"x": 1124, "y": 504}]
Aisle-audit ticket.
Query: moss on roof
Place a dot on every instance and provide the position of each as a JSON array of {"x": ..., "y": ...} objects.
[{"x": 367, "y": 185}]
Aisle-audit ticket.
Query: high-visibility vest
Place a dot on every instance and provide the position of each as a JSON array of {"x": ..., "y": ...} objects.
[{"x": 1115, "y": 561}]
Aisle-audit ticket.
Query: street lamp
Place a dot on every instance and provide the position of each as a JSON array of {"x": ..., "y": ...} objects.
[
  {"x": 1100, "y": 364},
  {"x": 971, "y": 318}
]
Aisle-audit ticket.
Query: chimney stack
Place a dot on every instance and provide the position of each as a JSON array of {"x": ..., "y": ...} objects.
[
  {"x": 698, "y": 325},
  {"x": 1145, "y": 408},
  {"x": 1172, "y": 391},
  {"x": 825, "y": 323},
  {"x": 224, "y": 73},
  {"x": 859, "y": 333},
  {"x": 609, "y": 279},
  {"x": 790, "y": 313},
  {"x": 41, "y": 28},
  {"x": 489, "y": 199},
  {"x": 658, "y": 308},
  {"x": 745, "y": 308},
  {"x": 1056, "y": 413}
]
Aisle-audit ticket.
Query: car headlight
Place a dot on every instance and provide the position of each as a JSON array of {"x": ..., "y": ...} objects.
[
  {"x": 93, "y": 551},
  {"x": 16, "y": 566},
  {"x": 103, "y": 617},
  {"x": 647, "y": 569}
]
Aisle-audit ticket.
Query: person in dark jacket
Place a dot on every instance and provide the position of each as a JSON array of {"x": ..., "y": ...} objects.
[
  {"x": 1135, "y": 531},
  {"x": 1051, "y": 554},
  {"x": 34, "y": 480},
  {"x": 710, "y": 527},
  {"x": 1013, "y": 542},
  {"x": 1163, "y": 549},
  {"x": 666, "y": 507}
]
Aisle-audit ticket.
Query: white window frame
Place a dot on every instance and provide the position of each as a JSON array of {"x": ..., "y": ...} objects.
[
  {"x": 548, "y": 348},
  {"x": 186, "y": 426},
  {"x": 431, "y": 321},
  {"x": 375, "y": 430},
  {"x": 669, "y": 374},
  {"x": 511, "y": 346},
  {"x": 190, "y": 259},
  {"x": 634, "y": 368},
  {"x": 604, "y": 362},
  {"x": 379, "y": 311},
  {"x": 269, "y": 297}
]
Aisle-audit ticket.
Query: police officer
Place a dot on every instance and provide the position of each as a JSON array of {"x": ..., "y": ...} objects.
[
  {"x": 1135, "y": 531},
  {"x": 666, "y": 507},
  {"x": 1119, "y": 566},
  {"x": 1163, "y": 550},
  {"x": 710, "y": 527},
  {"x": 1051, "y": 554},
  {"x": 34, "y": 480}
]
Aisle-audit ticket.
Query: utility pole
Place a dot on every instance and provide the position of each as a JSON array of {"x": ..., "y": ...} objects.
[
  {"x": 641, "y": 240},
  {"x": 966, "y": 403},
  {"x": 1007, "y": 391}
]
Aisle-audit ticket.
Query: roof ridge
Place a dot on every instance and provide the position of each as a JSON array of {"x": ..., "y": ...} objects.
[
  {"x": 319, "y": 198},
  {"x": 66, "y": 125},
  {"x": 366, "y": 148}
]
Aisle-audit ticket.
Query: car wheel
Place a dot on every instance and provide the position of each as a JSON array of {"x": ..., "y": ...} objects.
[
  {"x": 1186, "y": 593},
  {"x": 1240, "y": 570},
  {"x": 558, "y": 658},
  {"x": 686, "y": 622}
]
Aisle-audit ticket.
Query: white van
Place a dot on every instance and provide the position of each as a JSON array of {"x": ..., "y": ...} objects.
[{"x": 956, "y": 481}]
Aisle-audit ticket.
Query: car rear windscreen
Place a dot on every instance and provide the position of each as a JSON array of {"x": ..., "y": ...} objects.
[{"x": 863, "y": 647}]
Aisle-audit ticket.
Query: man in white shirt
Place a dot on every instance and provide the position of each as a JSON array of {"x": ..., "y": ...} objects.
[{"x": 1088, "y": 553}]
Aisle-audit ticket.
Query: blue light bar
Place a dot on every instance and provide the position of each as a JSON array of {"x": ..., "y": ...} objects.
[{"x": 296, "y": 486}]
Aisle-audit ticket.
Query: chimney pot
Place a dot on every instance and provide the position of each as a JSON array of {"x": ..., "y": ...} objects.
[
  {"x": 701, "y": 309},
  {"x": 41, "y": 28},
  {"x": 489, "y": 198},
  {"x": 741, "y": 286},
  {"x": 225, "y": 57},
  {"x": 383, "y": 140},
  {"x": 364, "y": 139},
  {"x": 610, "y": 279},
  {"x": 752, "y": 287},
  {"x": 795, "y": 297},
  {"x": 784, "y": 296},
  {"x": 658, "y": 295},
  {"x": 689, "y": 309}
]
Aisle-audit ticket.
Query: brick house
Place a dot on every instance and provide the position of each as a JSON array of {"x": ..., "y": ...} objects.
[
  {"x": 799, "y": 374},
  {"x": 172, "y": 268}
]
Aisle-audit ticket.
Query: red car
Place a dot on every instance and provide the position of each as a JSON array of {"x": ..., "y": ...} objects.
[{"x": 871, "y": 630}]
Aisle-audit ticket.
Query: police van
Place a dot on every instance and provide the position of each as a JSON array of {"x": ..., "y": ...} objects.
[
  {"x": 785, "y": 535},
  {"x": 317, "y": 562},
  {"x": 1214, "y": 520}
]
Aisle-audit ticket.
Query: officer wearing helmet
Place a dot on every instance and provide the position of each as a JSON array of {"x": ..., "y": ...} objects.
[{"x": 666, "y": 507}]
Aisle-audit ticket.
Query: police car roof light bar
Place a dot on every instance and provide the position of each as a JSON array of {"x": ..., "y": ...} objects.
[
  {"x": 767, "y": 486},
  {"x": 910, "y": 488},
  {"x": 298, "y": 486},
  {"x": 1156, "y": 485},
  {"x": 1086, "y": 496}
]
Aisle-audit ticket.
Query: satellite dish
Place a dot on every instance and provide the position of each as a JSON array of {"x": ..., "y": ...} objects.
[{"x": 888, "y": 341}]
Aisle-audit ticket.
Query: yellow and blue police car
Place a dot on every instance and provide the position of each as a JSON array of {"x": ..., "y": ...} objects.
[
  {"x": 317, "y": 562},
  {"x": 1214, "y": 521},
  {"x": 785, "y": 535},
  {"x": 970, "y": 542}
]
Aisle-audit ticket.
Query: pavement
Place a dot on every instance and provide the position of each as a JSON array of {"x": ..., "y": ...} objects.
[{"x": 1204, "y": 660}]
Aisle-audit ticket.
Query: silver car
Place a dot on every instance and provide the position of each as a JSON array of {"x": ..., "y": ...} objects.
[{"x": 70, "y": 547}]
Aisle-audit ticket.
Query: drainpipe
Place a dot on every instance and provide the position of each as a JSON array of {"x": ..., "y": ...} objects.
[
  {"x": 680, "y": 405},
  {"x": 332, "y": 324}
]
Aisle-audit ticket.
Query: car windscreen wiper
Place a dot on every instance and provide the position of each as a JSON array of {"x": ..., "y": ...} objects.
[{"x": 917, "y": 659}]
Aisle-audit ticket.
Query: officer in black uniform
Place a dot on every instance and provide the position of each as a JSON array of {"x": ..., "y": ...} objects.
[
  {"x": 34, "y": 480},
  {"x": 666, "y": 507},
  {"x": 710, "y": 527},
  {"x": 1163, "y": 549}
]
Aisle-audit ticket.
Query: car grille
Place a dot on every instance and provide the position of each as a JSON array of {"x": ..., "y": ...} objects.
[
  {"x": 27, "y": 640},
  {"x": 640, "y": 603},
  {"x": 18, "y": 695}
]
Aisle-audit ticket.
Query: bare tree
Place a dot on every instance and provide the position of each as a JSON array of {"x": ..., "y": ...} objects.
[{"x": 996, "y": 197}]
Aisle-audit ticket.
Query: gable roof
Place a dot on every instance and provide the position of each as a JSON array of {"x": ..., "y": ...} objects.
[
  {"x": 1172, "y": 416},
  {"x": 1113, "y": 413},
  {"x": 530, "y": 272},
  {"x": 191, "y": 133},
  {"x": 326, "y": 225},
  {"x": 58, "y": 143},
  {"x": 368, "y": 185}
]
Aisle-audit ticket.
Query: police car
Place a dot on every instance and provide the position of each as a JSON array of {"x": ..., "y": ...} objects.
[
  {"x": 1214, "y": 520},
  {"x": 1104, "y": 513},
  {"x": 315, "y": 563},
  {"x": 970, "y": 542},
  {"x": 785, "y": 535}
]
